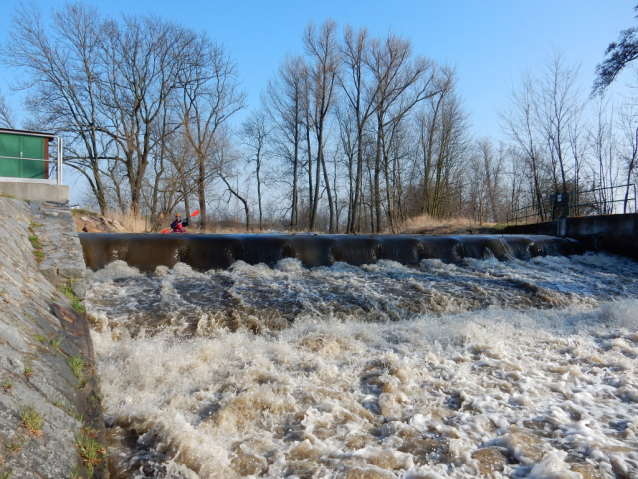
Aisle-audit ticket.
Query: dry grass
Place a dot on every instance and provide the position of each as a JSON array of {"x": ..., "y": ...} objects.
[
  {"x": 233, "y": 230},
  {"x": 425, "y": 224},
  {"x": 133, "y": 224}
]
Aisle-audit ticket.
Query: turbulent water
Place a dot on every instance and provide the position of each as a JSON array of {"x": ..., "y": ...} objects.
[{"x": 515, "y": 369}]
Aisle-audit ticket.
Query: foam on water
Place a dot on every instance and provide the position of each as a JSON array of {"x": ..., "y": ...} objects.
[{"x": 517, "y": 369}]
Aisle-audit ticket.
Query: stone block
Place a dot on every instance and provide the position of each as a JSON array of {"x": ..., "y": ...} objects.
[
  {"x": 79, "y": 289},
  {"x": 49, "y": 272},
  {"x": 71, "y": 271}
]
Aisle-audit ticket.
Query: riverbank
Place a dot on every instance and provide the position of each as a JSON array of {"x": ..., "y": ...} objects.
[
  {"x": 87, "y": 221},
  {"x": 51, "y": 422}
]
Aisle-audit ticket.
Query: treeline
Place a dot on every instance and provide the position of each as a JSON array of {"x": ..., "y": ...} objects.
[
  {"x": 140, "y": 103},
  {"x": 357, "y": 134}
]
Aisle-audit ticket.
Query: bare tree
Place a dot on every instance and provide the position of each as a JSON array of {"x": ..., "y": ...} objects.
[
  {"x": 400, "y": 84},
  {"x": 603, "y": 152},
  {"x": 254, "y": 133},
  {"x": 225, "y": 160},
  {"x": 62, "y": 74},
  {"x": 323, "y": 50},
  {"x": 284, "y": 101},
  {"x": 519, "y": 123},
  {"x": 211, "y": 96},
  {"x": 629, "y": 145},
  {"x": 441, "y": 132},
  {"x": 179, "y": 181},
  {"x": 144, "y": 59},
  {"x": 545, "y": 122},
  {"x": 359, "y": 92},
  {"x": 488, "y": 166},
  {"x": 558, "y": 110},
  {"x": 7, "y": 115}
]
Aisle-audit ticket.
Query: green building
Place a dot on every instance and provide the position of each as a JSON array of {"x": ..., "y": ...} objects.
[
  {"x": 24, "y": 156},
  {"x": 27, "y": 170}
]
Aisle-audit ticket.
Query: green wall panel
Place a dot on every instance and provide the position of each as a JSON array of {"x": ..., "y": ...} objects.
[
  {"x": 9, "y": 146},
  {"x": 21, "y": 146},
  {"x": 32, "y": 147}
]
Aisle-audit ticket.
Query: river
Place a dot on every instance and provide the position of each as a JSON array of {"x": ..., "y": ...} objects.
[{"x": 513, "y": 368}]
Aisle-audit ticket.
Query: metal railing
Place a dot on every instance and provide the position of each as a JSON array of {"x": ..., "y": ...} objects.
[
  {"x": 597, "y": 201},
  {"x": 51, "y": 167}
]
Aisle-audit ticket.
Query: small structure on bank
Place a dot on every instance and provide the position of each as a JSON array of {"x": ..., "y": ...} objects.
[{"x": 27, "y": 169}]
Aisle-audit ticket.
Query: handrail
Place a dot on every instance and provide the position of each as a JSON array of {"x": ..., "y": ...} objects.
[
  {"x": 23, "y": 158},
  {"x": 60, "y": 159},
  {"x": 541, "y": 209}
]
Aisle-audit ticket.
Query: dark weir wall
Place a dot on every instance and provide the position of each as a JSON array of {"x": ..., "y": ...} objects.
[
  {"x": 147, "y": 251},
  {"x": 617, "y": 234}
]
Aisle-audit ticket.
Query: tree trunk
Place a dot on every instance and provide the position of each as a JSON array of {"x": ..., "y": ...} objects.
[
  {"x": 261, "y": 225},
  {"x": 330, "y": 203},
  {"x": 377, "y": 176},
  {"x": 201, "y": 191}
]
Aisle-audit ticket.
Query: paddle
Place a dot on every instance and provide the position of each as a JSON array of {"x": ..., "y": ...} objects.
[{"x": 193, "y": 214}]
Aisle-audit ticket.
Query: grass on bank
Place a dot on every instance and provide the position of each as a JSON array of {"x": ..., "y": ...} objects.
[
  {"x": 32, "y": 420},
  {"x": 132, "y": 224},
  {"x": 57, "y": 342},
  {"x": 15, "y": 446},
  {"x": 75, "y": 301},
  {"x": 90, "y": 449},
  {"x": 77, "y": 364},
  {"x": 28, "y": 370},
  {"x": 423, "y": 224},
  {"x": 35, "y": 242}
]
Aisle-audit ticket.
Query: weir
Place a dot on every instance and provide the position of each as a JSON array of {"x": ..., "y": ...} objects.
[
  {"x": 436, "y": 370},
  {"x": 220, "y": 251}
]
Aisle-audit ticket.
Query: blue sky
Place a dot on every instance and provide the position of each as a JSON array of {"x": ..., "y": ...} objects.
[{"x": 489, "y": 42}]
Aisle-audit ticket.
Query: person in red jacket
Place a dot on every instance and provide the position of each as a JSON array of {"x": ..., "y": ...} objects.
[{"x": 178, "y": 225}]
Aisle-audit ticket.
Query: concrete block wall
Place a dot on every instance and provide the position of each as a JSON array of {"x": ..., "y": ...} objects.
[
  {"x": 616, "y": 234},
  {"x": 34, "y": 191},
  {"x": 63, "y": 262}
]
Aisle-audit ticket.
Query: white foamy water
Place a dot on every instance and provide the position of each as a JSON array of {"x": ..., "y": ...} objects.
[{"x": 515, "y": 369}]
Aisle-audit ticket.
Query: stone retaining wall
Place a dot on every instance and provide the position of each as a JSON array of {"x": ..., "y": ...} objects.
[
  {"x": 63, "y": 262},
  {"x": 41, "y": 334}
]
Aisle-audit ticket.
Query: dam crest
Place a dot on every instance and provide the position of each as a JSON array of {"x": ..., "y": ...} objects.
[{"x": 220, "y": 251}]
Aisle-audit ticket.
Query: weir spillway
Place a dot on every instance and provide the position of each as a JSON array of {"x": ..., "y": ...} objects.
[
  {"x": 219, "y": 251},
  {"x": 435, "y": 369}
]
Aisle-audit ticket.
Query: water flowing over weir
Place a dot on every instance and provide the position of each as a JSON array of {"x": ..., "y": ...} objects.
[
  {"x": 474, "y": 363},
  {"x": 204, "y": 252}
]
